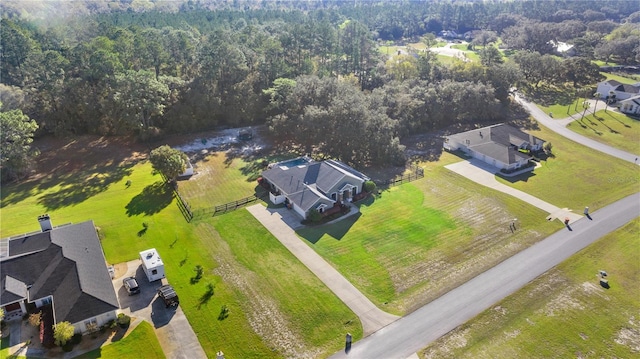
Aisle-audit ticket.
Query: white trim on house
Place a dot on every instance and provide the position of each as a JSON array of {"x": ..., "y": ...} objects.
[{"x": 100, "y": 320}]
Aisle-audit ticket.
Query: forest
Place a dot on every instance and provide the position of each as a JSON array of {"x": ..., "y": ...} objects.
[{"x": 309, "y": 70}]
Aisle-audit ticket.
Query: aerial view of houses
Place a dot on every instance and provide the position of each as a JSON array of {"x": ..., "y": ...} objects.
[{"x": 319, "y": 179}]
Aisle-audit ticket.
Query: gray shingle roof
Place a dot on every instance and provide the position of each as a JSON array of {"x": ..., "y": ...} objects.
[
  {"x": 67, "y": 263},
  {"x": 496, "y": 142},
  {"x": 309, "y": 184}
]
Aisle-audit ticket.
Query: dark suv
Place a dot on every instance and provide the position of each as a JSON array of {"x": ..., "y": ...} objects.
[
  {"x": 169, "y": 296},
  {"x": 131, "y": 285}
]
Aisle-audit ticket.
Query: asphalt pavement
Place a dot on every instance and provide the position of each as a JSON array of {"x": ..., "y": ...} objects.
[
  {"x": 559, "y": 126},
  {"x": 404, "y": 337}
]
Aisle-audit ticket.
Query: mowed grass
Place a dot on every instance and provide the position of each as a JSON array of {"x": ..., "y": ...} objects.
[
  {"x": 140, "y": 343},
  {"x": 577, "y": 176},
  {"x": 612, "y": 128},
  {"x": 419, "y": 240},
  {"x": 565, "y": 313},
  {"x": 559, "y": 111},
  {"x": 220, "y": 180},
  {"x": 119, "y": 211}
]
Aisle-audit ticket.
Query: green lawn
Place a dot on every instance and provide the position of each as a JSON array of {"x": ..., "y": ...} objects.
[
  {"x": 612, "y": 128},
  {"x": 261, "y": 302},
  {"x": 140, "y": 343},
  {"x": 419, "y": 240},
  {"x": 220, "y": 179},
  {"x": 565, "y": 313},
  {"x": 4, "y": 349},
  {"x": 577, "y": 176},
  {"x": 559, "y": 111}
]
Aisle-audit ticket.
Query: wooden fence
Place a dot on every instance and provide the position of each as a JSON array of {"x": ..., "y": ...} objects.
[{"x": 419, "y": 173}]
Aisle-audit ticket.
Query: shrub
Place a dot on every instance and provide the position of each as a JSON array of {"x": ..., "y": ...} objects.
[
  {"x": 76, "y": 338},
  {"x": 62, "y": 332},
  {"x": 124, "y": 320},
  {"x": 369, "y": 186},
  {"x": 314, "y": 215},
  {"x": 34, "y": 319},
  {"x": 67, "y": 347}
]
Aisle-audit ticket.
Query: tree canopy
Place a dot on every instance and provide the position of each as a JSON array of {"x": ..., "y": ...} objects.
[
  {"x": 16, "y": 136},
  {"x": 168, "y": 161}
]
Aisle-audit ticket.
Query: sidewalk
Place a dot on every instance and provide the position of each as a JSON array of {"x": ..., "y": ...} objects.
[
  {"x": 484, "y": 174},
  {"x": 372, "y": 318}
]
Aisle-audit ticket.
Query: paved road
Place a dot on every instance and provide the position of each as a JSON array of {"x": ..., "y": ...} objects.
[
  {"x": 559, "y": 126},
  {"x": 409, "y": 334},
  {"x": 484, "y": 174},
  {"x": 371, "y": 317}
]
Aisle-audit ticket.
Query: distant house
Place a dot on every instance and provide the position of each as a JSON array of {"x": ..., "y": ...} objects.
[
  {"x": 630, "y": 106},
  {"x": 498, "y": 145},
  {"x": 564, "y": 49},
  {"x": 620, "y": 90},
  {"x": 61, "y": 268},
  {"x": 303, "y": 184}
]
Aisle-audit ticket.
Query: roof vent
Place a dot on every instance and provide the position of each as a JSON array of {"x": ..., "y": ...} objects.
[{"x": 149, "y": 255}]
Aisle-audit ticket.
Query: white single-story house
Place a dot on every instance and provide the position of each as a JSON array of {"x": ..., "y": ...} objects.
[
  {"x": 630, "y": 106},
  {"x": 498, "y": 145},
  {"x": 61, "y": 270},
  {"x": 620, "y": 90},
  {"x": 303, "y": 184}
]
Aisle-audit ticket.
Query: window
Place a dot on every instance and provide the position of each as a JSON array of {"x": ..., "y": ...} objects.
[
  {"x": 334, "y": 196},
  {"x": 154, "y": 271},
  {"x": 91, "y": 325}
]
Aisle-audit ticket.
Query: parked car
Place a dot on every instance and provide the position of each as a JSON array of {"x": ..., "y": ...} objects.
[
  {"x": 131, "y": 285},
  {"x": 169, "y": 296}
]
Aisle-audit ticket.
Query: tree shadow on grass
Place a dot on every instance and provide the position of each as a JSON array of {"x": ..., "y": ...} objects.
[
  {"x": 78, "y": 188},
  {"x": 204, "y": 299},
  {"x": 151, "y": 200},
  {"x": 548, "y": 96}
]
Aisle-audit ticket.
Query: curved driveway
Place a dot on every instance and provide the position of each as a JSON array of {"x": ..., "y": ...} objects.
[
  {"x": 559, "y": 126},
  {"x": 413, "y": 332}
]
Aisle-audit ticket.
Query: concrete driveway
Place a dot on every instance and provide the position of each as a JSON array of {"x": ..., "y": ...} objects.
[
  {"x": 176, "y": 337},
  {"x": 484, "y": 174},
  {"x": 276, "y": 221}
]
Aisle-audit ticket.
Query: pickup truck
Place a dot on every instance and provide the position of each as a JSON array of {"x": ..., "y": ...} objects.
[{"x": 169, "y": 296}]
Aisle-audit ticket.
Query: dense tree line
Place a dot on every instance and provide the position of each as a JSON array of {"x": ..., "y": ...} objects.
[{"x": 201, "y": 64}]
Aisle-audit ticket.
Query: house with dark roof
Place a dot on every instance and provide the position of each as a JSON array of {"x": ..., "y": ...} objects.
[
  {"x": 62, "y": 267},
  {"x": 621, "y": 91},
  {"x": 498, "y": 145},
  {"x": 303, "y": 184}
]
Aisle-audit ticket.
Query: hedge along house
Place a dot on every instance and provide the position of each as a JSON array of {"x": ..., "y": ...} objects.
[
  {"x": 60, "y": 270},
  {"x": 498, "y": 145},
  {"x": 304, "y": 185}
]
